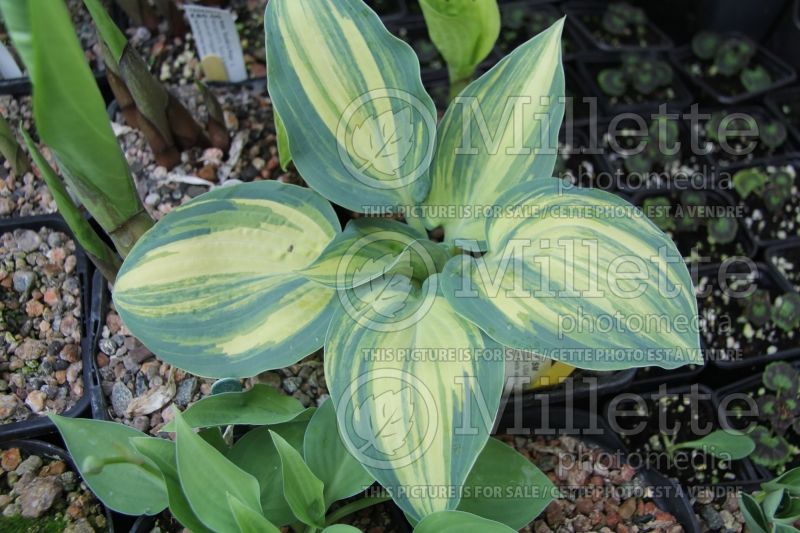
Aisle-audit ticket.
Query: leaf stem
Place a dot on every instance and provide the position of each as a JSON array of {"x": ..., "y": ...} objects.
[{"x": 352, "y": 507}]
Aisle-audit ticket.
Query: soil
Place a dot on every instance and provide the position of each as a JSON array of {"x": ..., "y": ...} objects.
[
  {"x": 580, "y": 168},
  {"x": 643, "y": 39},
  {"x": 694, "y": 245},
  {"x": 521, "y": 22},
  {"x": 142, "y": 391},
  {"x": 253, "y": 155},
  {"x": 764, "y": 225},
  {"x": 42, "y": 494},
  {"x": 740, "y": 152},
  {"x": 598, "y": 493},
  {"x": 786, "y": 262},
  {"x": 22, "y": 195},
  {"x": 685, "y": 167},
  {"x": 693, "y": 468},
  {"x": 174, "y": 59},
  {"x": 790, "y": 110},
  {"x": 726, "y": 331},
  {"x": 40, "y": 316}
]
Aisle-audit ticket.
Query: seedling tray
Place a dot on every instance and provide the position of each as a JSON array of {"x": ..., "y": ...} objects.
[
  {"x": 41, "y": 425},
  {"x": 782, "y": 74},
  {"x": 571, "y": 34},
  {"x": 775, "y": 100},
  {"x": 577, "y": 10}
]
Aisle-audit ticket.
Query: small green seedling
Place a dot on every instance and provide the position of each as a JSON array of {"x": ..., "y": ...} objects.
[
  {"x": 786, "y": 312},
  {"x": 623, "y": 19},
  {"x": 659, "y": 210},
  {"x": 643, "y": 74},
  {"x": 758, "y": 307},
  {"x": 779, "y": 409},
  {"x": 705, "y": 44},
  {"x": 722, "y": 230},
  {"x": 749, "y": 181},
  {"x": 727, "y": 445}
]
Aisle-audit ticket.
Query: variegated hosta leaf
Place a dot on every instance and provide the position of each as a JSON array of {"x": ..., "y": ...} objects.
[
  {"x": 500, "y": 131},
  {"x": 214, "y": 287},
  {"x": 414, "y": 392},
  {"x": 579, "y": 276},
  {"x": 360, "y": 125},
  {"x": 369, "y": 248}
]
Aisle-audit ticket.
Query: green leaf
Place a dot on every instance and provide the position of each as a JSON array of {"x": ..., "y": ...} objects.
[
  {"x": 459, "y": 522},
  {"x": 771, "y": 504},
  {"x": 262, "y": 405},
  {"x": 328, "y": 458},
  {"x": 162, "y": 453},
  {"x": 398, "y": 415},
  {"x": 341, "y": 528},
  {"x": 284, "y": 152},
  {"x": 724, "y": 444},
  {"x": 12, "y": 151},
  {"x": 124, "y": 480},
  {"x": 526, "y": 490},
  {"x": 302, "y": 489},
  {"x": 207, "y": 476},
  {"x": 563, "y": 280},
  {"x": 112, "y": 36},
  {"x": 360, "y": 123},
  {"x": 753, "y": 515},
  {"x": 88, "y": 238},
  {"x": 70, "y": 112},
  {"x": 213, "y": 288},
  {"x": 464, "y": 32},
  {"x": 500, "y": 132},
  {"x": 248, "y": 520},
  {"x": 255, "y": 453},
  {"x": 790, "y": 480}
]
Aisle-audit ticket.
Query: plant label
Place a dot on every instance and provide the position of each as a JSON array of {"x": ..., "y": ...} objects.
[
  {"x": 216, "y": 37},
  {"x": 8, "y": 67}
]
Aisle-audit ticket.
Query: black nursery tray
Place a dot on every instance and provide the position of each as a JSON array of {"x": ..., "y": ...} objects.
[
  {"x": 790, "y": 251},
  {"x": 582, "y": 12},
  {"x": 591, "y": 65},
  {"x": 389, "y": 10},
  {"x": 755, "y": 361},
  {"x": 781, "y": 73},
  {"x": 786, "y": 104},
  {"x": 667, "y": 494},
  {"x": 573, "y": 44},
  {"x": 35, "y": 427}
]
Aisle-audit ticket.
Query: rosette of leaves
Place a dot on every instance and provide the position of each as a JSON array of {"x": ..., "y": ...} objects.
[
  {"x": 776, "y": 507},
  {"x": 779, "y": 409},
  {"x": 659, "y": 148},
  {"x": 758, "y": 307},
  {"x": 755, "y": 79},
  {"x": 722, "y": 229},
  {"x": 705, "y": 44},
  {"x": 733, "y": 55},
  {"x": 691, "y": 201},
  {"x": 772, "y": 133},
  {"x": 786, "y": 312},
  {"x": 643, "y": 74},
  {"x": 774, "y": 190},
  {"x": 624, "y": 19},
  {"x": 659, "y": 210},
  {"x": 749, "y": 181},
  {"x": 257, "y": 276}
]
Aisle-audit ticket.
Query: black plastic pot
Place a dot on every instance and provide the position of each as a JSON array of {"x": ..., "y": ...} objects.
[
  {"x": 781, "y": 73},
  {"x": 716, "y": 198},
  {"x": 736, "y": 367},
  {"x": 389, "y": 10},
  {"x": 745, "y": 469},
  {"x": 590, "y": 66},
  {"x": 97, "y": 318},
  {"x": 580, "y": 112},
  {"x": 786, "y": 97},
  {"x": 579, "y": 11},
  {"x": 657, "y": 377},
  {"x": 667, "y": 494},
  {"x": 774, "y": 252},
  {"x": 39, "y": 426},
  {"x": 36, "y": 447},
  {"x": 727, "y": 183}
]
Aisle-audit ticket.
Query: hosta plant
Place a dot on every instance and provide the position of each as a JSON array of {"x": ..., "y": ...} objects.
[
  {"x": 642, "y": 74},
  {"x": 257, "y": 276},
  {"x": 727, "y": 445},
  {"x": 287, "y": 466},
  {"x": 778, "y": 411},
  {"x": 776, "y": 507}
]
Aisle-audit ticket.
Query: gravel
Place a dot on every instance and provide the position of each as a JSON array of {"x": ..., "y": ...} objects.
[
  {"x": 21, "y": 195},
  {"x": 38, "y": 491},
  {"x": 253, "y": 154},
  {"x": 40, "y": 317},
  {"x": 598, "y": 493},
  {"x": 142, "y": 391}
]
